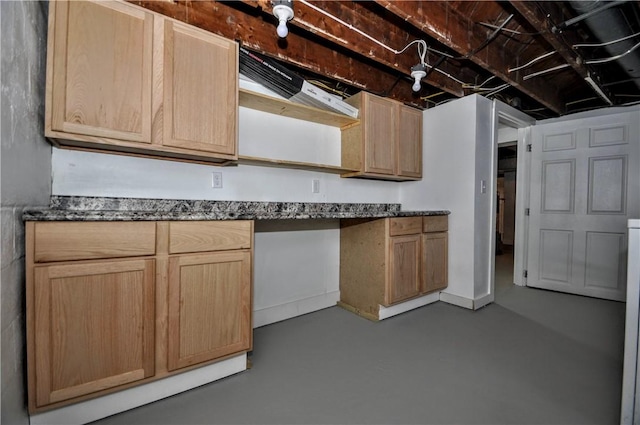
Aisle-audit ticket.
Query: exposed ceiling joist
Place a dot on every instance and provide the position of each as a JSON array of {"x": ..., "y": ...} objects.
[
  {"x": 502, "y": 50},
  {"x": 258, "y": 34},
  {"x": 442, "y": 22}
]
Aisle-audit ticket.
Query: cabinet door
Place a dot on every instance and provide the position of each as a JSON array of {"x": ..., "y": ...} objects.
[
  {"x": 200, "y": 90},
  {"x": 434, "y": 260},
  {"x": 409, "y": 148},
  {"x": 100, "y": 70},
  {"x": 379, "y": 135},
  {"x": 209, "y": 307},
  {"x": 404, "y": 268},
  {"x": 94, "y": 327}
]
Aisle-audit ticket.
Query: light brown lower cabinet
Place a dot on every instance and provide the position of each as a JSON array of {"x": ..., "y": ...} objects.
[
  {"x": 94, "y": 327},
  {"x": 111, "y": 305},
  {"x": 390, "y": 260},
  {"x": 209, "y": 306}
]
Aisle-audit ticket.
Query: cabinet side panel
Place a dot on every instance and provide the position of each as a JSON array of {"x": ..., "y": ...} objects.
[
  {"x": 352, "y": 151},
  {"x": 362, "y": 264},
  {"x": 409, "y": 146}
]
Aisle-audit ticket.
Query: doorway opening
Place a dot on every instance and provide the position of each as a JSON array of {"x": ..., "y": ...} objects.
[
  {"x": 512, "y": 134},
  {"x": 505, "y": 215}
]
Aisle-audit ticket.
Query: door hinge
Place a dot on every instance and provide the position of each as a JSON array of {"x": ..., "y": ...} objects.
[
  {"x": 525, "y": 274},
  {"x": 527, "y": 211},
  {"x": 529, "y": 147}
]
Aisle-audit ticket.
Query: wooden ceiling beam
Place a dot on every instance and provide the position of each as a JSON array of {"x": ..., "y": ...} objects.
[
  {"x": 544, "y": 21},
  {"x": 347, "y": 39},
  {"x": 373, "y": 25},
  {"x": 249, "y": 23},
  {"x": 257, "y": 34},
  {"x": 441, "y": 21}
]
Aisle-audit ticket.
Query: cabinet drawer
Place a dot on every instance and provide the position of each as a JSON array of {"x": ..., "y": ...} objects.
[
  {"x": 435, "y": 223},
  {"x": 201, "y": 236},
  {"x": 405, "y": 226},
  {"x": 63, "y": 241}
]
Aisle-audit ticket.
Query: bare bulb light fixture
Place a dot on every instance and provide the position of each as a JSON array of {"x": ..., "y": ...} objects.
[
  {"x": 283, "y": 11},
  {"x": 418, "y": 72}
]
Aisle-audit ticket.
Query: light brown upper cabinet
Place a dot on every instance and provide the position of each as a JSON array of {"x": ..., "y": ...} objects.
[
  {"x": 121, "y": 78},
  {"x": 199, "y": 74},
  {"x": 99, "y": 70},
  {"x": 386, "y": 143}
]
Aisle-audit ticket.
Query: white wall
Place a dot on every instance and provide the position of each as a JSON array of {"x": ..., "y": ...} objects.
[
  {"x": 296, "y": 264},
  {"x": 448, "y": 178},
  {"x": 457, "y": 156},
  {"x": 484, "y": 229}
]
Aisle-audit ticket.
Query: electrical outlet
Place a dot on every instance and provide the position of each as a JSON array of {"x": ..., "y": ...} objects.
[
  {"x": 216, "y": 180},
  {"x": 315, "y": 186}
]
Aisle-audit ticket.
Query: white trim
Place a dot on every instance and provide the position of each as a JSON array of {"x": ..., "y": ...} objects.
[
  {"x": 523, "y": 182},
  {"x": 110, "y": 404},
  {"x": 456, "y": 300},
  {"x": 278, "y": 313},
  {"x": 394, "y": 310},
  {"x": 628, "y": 413},
  {"x": 478, "y": 303},
  {"x": 523, "y": 122}
]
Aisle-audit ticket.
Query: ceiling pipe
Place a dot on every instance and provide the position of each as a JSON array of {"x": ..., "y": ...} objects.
[{"x": 609, "y": 24}]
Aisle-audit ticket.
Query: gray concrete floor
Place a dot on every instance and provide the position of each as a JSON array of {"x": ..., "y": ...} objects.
[{"x": 532, "y": 357}]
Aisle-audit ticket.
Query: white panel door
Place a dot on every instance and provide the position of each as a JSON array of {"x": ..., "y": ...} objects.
[{"x": 585, "y": 183}]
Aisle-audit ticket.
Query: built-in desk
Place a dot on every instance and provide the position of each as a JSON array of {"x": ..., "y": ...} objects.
[{"x": 164, "y": 284}]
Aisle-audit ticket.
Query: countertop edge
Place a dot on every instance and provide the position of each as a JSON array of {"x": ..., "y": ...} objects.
[{"x": 62, "y": 215}]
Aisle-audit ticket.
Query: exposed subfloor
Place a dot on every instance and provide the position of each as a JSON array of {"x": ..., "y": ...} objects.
[{"x": 533, "y": 356}]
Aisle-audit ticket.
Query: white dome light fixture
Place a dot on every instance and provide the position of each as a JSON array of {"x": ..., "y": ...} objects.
[{"x": 283, "y": 11}]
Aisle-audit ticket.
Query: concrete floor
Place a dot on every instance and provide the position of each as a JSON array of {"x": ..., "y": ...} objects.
[{"x": 532, "y": 357}]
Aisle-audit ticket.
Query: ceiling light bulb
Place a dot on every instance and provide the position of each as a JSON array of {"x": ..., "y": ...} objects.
[
  {"x": 416, "y": 86},
  {"x": 282, "y": 29},
  {"x": 418, "y": 72},
  {"x": 283, "y": 11}
]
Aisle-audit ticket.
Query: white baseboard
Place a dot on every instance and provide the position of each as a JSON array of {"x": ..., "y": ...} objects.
[
  {"x": 110, "y": 404},
  {"x": 482, "y": 301},
  {"x": 394, "y": 310},
  {"x": 456, "y": 300},
  {"x": 266, "y": 316},
  {"x": 471, "y": 304}
]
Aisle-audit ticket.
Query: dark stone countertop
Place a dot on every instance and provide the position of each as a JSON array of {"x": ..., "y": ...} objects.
[{"x": 81, "y": 208}]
